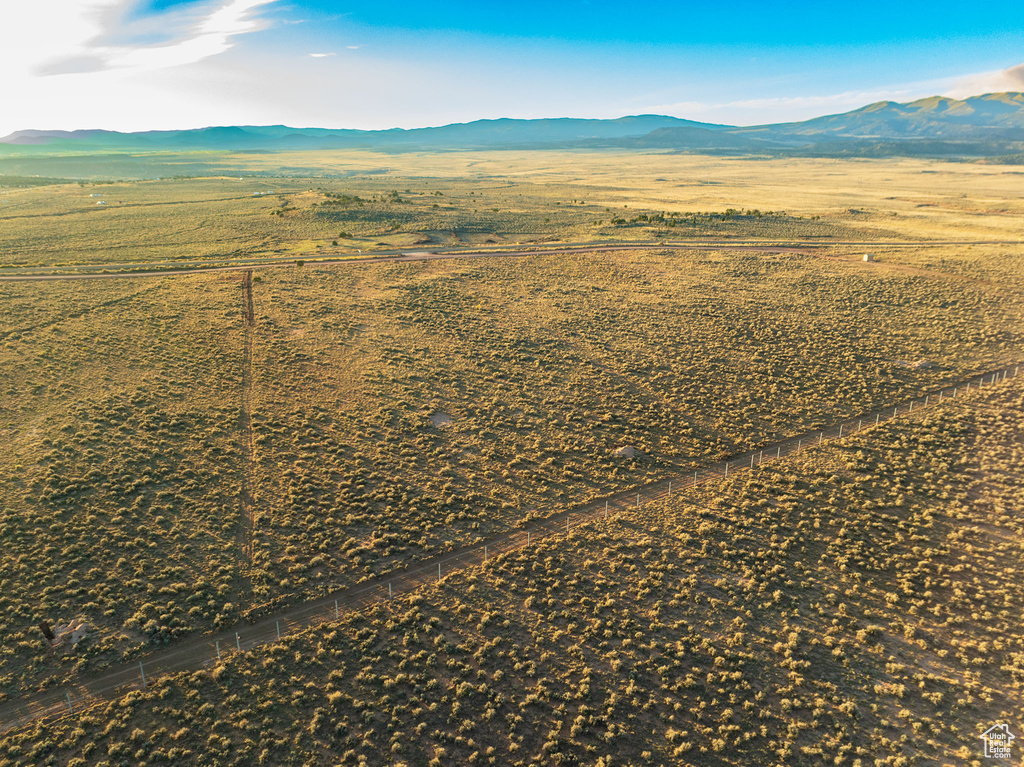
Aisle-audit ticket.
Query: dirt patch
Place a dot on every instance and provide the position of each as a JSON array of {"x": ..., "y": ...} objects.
[
  {"x": 71, "y": 634},
  {"x": 440, "y": 419},
  {"x": 921, "y": 364}
]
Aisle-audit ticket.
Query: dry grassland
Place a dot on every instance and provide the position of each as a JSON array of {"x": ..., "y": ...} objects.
[
  {"x": 859, "y": 605},
  {"x": 167, "y": 468},
  {"x": 340, "y": 202}
]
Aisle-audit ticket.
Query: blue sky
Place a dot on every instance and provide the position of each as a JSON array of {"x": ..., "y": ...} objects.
[{"x": 137, "y": 64}]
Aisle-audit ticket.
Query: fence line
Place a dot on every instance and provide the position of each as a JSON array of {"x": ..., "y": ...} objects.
[{"x": 58, "y": 703}]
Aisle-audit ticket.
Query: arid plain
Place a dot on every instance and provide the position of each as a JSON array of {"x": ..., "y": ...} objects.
[{"x": 183, "y": 454}]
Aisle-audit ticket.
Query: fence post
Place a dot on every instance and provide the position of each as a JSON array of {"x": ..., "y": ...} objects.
[
  {"x": 860, "y": 424},
  {"x": 751, "y": 460},
  {"x": 638, "y": 500},
  {"x": 485, "y": 553},
  {"x": 528, "y": 537},
  {"x": 605, "y": 516},
  {"x": 840, "y": 431},
  {"x": 238, "y": 642},
  {"x": 954, "y": 393},
  {"x": 778, "y": 452},
  {"x": 727, "y": 468},
  {"x": 694, "y": 478},
  {"x": 670, "y": 483},
  {"x": 911, "y": 410},
  {"x": 335, "y": 609},
  {"x": 438, "y": 572},
  {"x": 218, "y": 651},
  {"x": 878, "y": 416},
  {"x": 71, "y": 709},
  {"x": 926, "y": 400},
  {"x": 821, "y": 437},
  {"x": 760, "y": 458},
  {"x": 390, "y": 595},
  {"x": 799, "y": 445},
  {"x": 143, "y": 672},
  {"x": 278, "y": 624}
]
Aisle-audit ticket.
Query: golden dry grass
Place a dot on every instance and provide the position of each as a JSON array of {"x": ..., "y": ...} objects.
[
  {"x": 123, "y": 433},
  {"x": 858, "y": 604}
]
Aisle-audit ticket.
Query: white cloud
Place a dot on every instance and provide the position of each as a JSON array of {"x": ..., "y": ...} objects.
[
  {"x": 321, "y": 55},
  {"x": 73, "y": 61},
  {"x": 206, "y": 32},
  {"x": 1010, "y": 79}
]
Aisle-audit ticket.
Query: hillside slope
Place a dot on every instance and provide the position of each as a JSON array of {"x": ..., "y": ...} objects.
[{"x": 993, "y": 122}]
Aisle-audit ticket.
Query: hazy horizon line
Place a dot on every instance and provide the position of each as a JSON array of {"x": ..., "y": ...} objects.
[{"x": 495, "y": 119}]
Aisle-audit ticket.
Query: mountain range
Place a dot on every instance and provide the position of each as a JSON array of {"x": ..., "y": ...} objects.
[{"x": 980, "y": 126}]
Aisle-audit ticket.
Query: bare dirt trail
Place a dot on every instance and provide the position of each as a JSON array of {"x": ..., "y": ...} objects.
[
  {"x": 36, "y": 274},
  {"x": 246, "y": 500},
  {"x": 150, "y": 269},
  {"x": 203, "y": 652}
]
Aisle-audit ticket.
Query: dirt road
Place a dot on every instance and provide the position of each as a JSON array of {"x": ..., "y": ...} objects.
[{"x": 139, "y": 270}]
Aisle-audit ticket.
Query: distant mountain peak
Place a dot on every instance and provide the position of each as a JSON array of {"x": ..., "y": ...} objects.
[{"x": 989, "y": 117}]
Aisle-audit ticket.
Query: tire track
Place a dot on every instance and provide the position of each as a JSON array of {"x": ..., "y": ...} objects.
[{"x": 246, "y": 500}]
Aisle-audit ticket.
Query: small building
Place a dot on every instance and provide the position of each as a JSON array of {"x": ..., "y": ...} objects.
[{"x": 869, "y": 256}]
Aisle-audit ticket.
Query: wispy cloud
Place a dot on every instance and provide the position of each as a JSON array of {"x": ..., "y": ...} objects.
[
  {"x": 998, "y": 81},
  {"x": 204, "y": 30},
  {"x": 770, "y": 109},
  {"x": 754, "y": 111},
  {"x": 321, "y": 55}
]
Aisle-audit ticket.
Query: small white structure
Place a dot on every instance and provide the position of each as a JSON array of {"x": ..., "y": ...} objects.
[{"x": 869, "y": 256}]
